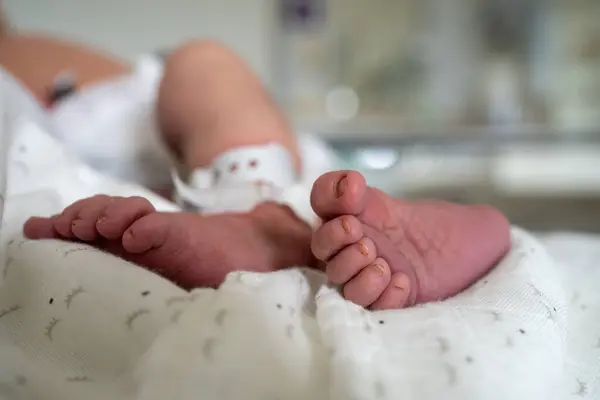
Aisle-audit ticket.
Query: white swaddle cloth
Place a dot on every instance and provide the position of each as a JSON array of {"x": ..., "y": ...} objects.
[{"x": 241, "y": 178}]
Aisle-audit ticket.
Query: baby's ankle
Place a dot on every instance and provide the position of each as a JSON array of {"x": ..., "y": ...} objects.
[{"x": 288, "y": 232}]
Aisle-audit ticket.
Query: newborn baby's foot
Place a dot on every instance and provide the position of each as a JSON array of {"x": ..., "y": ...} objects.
[
  {"x": 391, "y": 253},
  {"x": 188, "y": 249}
]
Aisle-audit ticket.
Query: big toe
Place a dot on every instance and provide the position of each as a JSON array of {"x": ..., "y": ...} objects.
[
  {"x": 39, "y": 228},
  {"x": 338, "y": 193},
  {"x": 156, "y": 242}
]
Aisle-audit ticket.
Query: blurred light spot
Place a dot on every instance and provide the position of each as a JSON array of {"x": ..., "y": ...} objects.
[
  {"x": 342, "y": 103},
  {"x": 377, "y": 158}
]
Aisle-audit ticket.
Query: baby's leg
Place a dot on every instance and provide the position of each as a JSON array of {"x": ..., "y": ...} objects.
[
  {"x": 391, "y": 253},
  {"x": 186, "y": 248},
  {"x": 36, "y": 60},
  {"x": 210, "y": 101}
]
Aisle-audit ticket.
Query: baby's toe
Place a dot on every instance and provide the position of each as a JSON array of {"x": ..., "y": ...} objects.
[
  {"x": 366, "y": 287},
  {"x": 333, "y": 236},
  {"x": 120, "y": 214},
  {"x": 351, "y": 260},
  {"x": 39, "y": 228},
  {"x": 338, "y": 193},
  {"x": 146, "y": 233},
  {"x": 396, "y": 294},
  {"x": 83, "y": 226},
  {"x": 63, "y": 223}
]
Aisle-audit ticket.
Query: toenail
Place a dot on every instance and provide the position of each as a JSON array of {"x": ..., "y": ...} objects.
[
  {"x": 341, "y": 186},
  {"x": 379, "y": 268},
  {"x": 363, "y": 249},
  {"x": 346, "y": 225}
]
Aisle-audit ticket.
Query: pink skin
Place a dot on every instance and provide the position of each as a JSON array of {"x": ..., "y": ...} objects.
[
  {"x": 386, "y": 253},
  {"x": 390, "y": 253},
  {"x": 186, "y": 248}
]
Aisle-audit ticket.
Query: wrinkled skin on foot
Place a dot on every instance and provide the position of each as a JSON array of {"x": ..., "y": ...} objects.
[
  {"x": 390, "y": 253},
  {"x": 186, "y": 248},
  {"x": 385, "y": 253}
]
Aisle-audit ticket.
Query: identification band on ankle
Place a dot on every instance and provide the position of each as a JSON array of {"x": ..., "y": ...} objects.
[{"x": 243, "y": 177}]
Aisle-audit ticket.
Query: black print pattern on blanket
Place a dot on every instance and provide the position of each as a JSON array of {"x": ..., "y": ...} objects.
[
  {"x": 120, "y": 310},
  {"x": 60, "y": 303}
]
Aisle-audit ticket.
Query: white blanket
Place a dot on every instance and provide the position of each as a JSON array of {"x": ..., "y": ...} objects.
[{"x": 76, "y": 323}]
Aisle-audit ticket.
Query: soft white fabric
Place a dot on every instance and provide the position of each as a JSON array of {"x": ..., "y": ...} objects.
[
  {"x": 317, "y": 157},
  {"x": 578, "y": 255},
  {"x": 239, "y": 179},
  {"x": 16, "y": 100},
  {"x": 244, "y": 197},
  {"x": 76, "y": 323},
  {"x": 112, "y": 126},
  {"x": 270, "y": 163}
]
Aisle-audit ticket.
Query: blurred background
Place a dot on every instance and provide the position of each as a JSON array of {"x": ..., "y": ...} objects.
[{"x": 494, "y": 101}]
